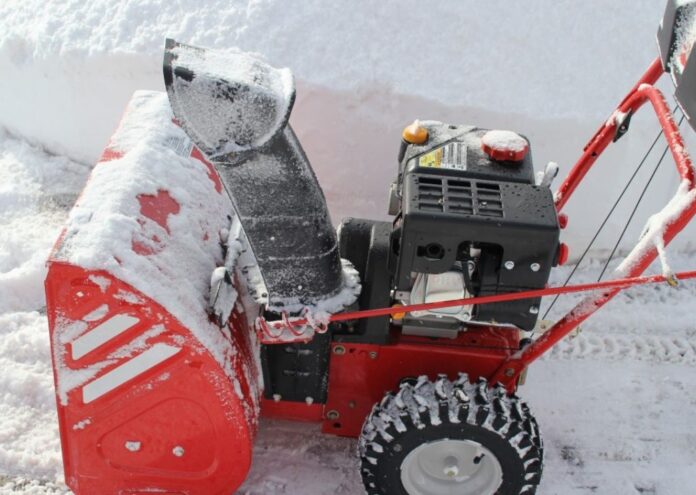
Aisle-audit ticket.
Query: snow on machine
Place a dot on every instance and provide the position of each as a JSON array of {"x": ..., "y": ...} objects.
[{"x": 199, "y": 284}]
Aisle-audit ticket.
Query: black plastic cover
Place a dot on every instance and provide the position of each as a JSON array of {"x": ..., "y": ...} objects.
[
  {"x": 492, "y": 206},
  {"x": 675, "y": 38}
]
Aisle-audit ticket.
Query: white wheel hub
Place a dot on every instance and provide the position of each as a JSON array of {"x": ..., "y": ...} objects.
[{"x": 451, "y": 467}]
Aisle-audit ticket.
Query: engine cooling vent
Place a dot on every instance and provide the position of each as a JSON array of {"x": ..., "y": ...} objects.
[{"x": 459, "y": 197}]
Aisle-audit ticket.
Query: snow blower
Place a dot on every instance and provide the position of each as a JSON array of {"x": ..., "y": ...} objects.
[{"x": 199, "y": 285}]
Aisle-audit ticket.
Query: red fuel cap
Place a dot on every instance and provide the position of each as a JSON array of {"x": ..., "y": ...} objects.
[
  {"x": 563, "y": 253},
  {"x": 504, "y": 146}
]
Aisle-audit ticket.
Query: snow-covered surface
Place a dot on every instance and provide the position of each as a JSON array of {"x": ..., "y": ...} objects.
[
  {"x": 613, "y": 403},
  {"x": 685, "y": 37},
  {"x": 552, "y": 70},
  {"x": 316, "y": 315},
  {"x": 504, "y": 140},
  {"x": 109, "y": 229},
  {"x": 218, "y": 122}
]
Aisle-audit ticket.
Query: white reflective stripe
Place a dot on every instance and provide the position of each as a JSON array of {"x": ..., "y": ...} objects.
[
  {"x": 101, "y": 334},
  {"x": 127, "y": 371}
]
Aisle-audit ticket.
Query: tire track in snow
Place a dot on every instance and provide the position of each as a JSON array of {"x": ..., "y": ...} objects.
[{"x": 616, "y": 347}]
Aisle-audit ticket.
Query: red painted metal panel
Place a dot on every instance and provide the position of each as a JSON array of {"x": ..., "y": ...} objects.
[
  {"x": 360, "y": 374},
  {"x": 295, "y": 411},
  {"x": 177, "y": 425}
]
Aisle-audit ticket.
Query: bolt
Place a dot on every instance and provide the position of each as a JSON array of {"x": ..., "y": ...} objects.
[
  {"x": 133, "y": 446},
  {"x": 340, "y": 350},
  {"x": 509, "y": 265},
  {"x": 351, "y": 404},
  {"x": 509, "y": 372},
  {"x": 178, "y": 451},
  {"x": 332, "y": 415},
  {"x": 535, "y": 267},
  {"x": 534, "y": 310},
  {"x": 398, "y": 447},
  {"x": 373, "y": 355}
]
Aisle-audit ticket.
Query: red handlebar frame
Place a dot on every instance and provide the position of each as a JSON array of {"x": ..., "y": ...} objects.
[{"x": 645, "y": 252}]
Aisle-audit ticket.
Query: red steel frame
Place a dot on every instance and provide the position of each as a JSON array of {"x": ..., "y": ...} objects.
[
  {"x": 509, "y": 371},
  {"x": 641, "y": 93}
]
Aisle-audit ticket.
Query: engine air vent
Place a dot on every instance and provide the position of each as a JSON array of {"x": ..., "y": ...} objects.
[{"x": 460, "y": 197}]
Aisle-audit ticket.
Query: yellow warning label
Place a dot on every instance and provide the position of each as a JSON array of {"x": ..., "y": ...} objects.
[{"x": 432, "y": 159}]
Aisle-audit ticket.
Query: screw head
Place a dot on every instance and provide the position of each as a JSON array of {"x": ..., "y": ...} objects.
[
  {"x": 332, "y": 415},
  {"x": 340, "y": 350},
  {"x": 133, "y": 446},
  {"x": 178, "y": 451},
  {"x": 398, "y": 447},
  {"x": 534, "y": 310},
  {"x": 509, "y": 372},
  {"x": 535, "y": 267},
  {"x": 509, "y": 265},
  {"x": 373, "y": 355}
]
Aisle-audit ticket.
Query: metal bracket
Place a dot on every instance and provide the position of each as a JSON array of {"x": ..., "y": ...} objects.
[{"x": 623, "y": 123}]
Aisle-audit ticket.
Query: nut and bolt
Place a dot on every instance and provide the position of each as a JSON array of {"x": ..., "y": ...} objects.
[
  {"x": 509, "y": 265},
  {"x": 340, "y": 350},
  {"x": 332, "y": 415},
  {"x": 535, "y": 267}
]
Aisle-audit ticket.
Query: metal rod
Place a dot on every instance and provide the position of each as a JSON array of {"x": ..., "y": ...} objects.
[{"x": 515, "y": 296}]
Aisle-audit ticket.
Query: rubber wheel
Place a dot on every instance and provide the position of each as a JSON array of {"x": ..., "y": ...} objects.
[{"x": 450, "y": 437}]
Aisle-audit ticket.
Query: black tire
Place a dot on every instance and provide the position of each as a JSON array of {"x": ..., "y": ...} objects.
[{"x": 423, "y": 411}]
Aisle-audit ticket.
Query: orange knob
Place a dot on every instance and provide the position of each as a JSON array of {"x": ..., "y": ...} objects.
[{"x": 415, "y": 134}]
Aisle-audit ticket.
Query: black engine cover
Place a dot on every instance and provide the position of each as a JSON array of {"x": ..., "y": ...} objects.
[{"x": 454, "y": 197}]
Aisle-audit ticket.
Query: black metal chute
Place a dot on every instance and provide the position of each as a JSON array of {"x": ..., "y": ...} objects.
[
  {"x": 226, "y": 101},
  {"x": 235, "y": 108}
]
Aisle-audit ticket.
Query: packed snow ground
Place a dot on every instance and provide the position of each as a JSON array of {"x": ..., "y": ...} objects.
[{"x": 614, "y": 402}]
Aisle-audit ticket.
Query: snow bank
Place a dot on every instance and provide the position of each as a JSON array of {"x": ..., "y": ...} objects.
[
  {"x": 550, "y": 70},
  {"x": 33, "y": 188},
  {"x": 29, "y": 442}
]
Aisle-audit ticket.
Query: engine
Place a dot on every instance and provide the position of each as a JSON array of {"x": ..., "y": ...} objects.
[{"x": 470, "y": 219}]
